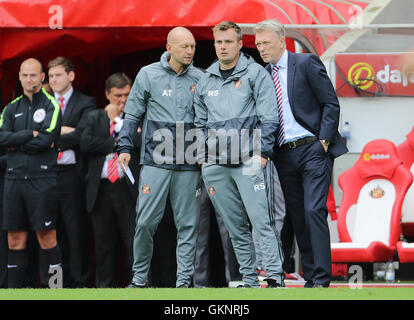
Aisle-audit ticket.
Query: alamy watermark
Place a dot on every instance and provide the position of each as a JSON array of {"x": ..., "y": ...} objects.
[
  {"x": 56, "y": 277},
  {"x": 356, "y": 20},
  {"x": 56, "y": 20},
  {"x": 197, "y": 146},
  {"x": 355, "y": 281}
]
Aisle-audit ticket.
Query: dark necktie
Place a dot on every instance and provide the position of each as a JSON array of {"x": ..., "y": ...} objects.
[{"x": 62, "y": 107}]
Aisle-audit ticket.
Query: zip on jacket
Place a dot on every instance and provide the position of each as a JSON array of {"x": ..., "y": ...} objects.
[
  {"x": 241, "y": 110},
  {"x": 163, "y": 101},
  {"x": 28, "y": 156}
]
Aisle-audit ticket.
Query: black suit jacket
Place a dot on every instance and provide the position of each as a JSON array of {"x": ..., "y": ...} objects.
[
  {"x": 313, "y": 100},
  {"x": 96, "y": 143},
  {"x": 75, "y": 116}
]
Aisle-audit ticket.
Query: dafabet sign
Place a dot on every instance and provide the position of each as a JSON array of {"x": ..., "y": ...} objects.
[{"x": 372, "y": 74}]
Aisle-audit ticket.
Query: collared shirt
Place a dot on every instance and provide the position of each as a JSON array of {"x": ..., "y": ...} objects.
[
  {"x": 68, "y": 156},
  {"x": 118, "y": 125},
  {"x": 293, "y": 130},
  {"x": 104, "y": 173},
  {"x": 66, "y": 98}
]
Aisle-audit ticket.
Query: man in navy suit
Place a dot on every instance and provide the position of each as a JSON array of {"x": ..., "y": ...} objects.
[{"x": 307, "y": 143}]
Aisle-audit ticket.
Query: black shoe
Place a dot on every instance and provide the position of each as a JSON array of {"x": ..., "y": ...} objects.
[
  {"x": 244, "y": 286},
  {"x": 309, "y": 284},
  {"x": 135, "y": 285},
  {"x": 182, "y": 286},
  {"x": 271, "y": 283}
]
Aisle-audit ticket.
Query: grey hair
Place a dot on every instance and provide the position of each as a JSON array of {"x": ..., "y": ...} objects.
[{"x": 270, "y": 24}]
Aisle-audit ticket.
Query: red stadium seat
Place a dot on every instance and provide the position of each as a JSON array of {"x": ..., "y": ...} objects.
[
  {"x": 406, "y": 154},
  {"x": 370, "y": 210},
  {"x": 331, "y": 205}
]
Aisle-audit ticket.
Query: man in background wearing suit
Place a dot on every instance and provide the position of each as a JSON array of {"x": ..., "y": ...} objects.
[
  {"x": 110, "y": 196},
  {"x": 73, "y": 226},
  {"x": 306, "y": 144}
]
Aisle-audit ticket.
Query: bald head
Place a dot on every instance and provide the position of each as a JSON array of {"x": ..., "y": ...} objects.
[
  {"x": 181, "y": 46},
  {"x": 178, "y": 33},
  {"x": 31, "y": 76},
  {"x": 32, "y": 63}
]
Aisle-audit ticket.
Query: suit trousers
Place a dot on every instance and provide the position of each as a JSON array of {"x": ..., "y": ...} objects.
[
  {"x": 202, "y": 260},
  {"x": 113, "y": 217},
  {"x": 73, "y": 227},
  {"x": 305, "y": 175},
  {"x": 163, "y": 268},
  {"x": 288, "y": 245},
  {"x": 155, "y": 184}
]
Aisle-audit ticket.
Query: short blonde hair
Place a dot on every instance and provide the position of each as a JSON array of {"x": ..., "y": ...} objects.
[{"x": 270, "y": 24}]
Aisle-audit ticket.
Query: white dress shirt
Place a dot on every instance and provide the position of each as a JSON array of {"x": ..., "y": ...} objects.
[
  {"x": 68, "y": 156},
  {"x": 66, "y": 98},
  {"x": 293, "y": 130}
]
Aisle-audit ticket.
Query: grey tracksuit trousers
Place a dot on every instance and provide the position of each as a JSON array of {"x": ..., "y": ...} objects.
[
  {"x": 154, "y": 186},
  {"x": 233, "y": 189},
  {"x": 276, "y": 202}
]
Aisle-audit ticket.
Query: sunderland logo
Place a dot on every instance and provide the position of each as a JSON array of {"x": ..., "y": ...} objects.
[
  {"x": 377, "y": 193},
  {"x": 361, "y": 74}
]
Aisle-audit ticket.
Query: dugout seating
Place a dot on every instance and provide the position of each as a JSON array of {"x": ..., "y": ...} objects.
[
  {"x": 370, "y": 210},
  {"x": 405, "y": 252},
  {"x": 406, "y": 154}
]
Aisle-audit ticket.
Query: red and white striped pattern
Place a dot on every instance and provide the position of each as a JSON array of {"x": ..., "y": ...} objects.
[
  {"x": 113, "y": 169},
  {"x": 280, "y": 137}
]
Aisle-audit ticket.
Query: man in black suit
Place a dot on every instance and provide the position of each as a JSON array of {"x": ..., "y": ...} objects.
[
  {"x": 110, "y": 195},
  {"x": 73, "y": 226},
  {"x": 306, "y": 144}
]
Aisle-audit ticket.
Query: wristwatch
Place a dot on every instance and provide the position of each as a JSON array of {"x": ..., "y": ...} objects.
[{"x": 326, "y": 142}]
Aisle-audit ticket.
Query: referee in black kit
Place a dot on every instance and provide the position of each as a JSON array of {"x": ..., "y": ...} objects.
[{"x": 29, "y": 126}]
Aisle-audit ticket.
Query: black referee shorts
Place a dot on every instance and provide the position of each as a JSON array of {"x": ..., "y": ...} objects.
[{"x": 30, "y": 204}]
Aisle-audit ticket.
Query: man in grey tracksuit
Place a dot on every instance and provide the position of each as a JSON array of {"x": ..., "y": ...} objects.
[
  {"x": 235, "y": 95},
  {"x": 162, "y": 96}
]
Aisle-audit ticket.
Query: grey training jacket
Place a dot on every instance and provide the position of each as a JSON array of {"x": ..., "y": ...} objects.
[
  {"x": 244, "y": 101},
  {"x": 163, "y": 100}
]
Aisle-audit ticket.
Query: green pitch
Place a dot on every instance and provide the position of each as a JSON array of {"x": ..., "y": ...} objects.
[{"x": 209, "y": 294}]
